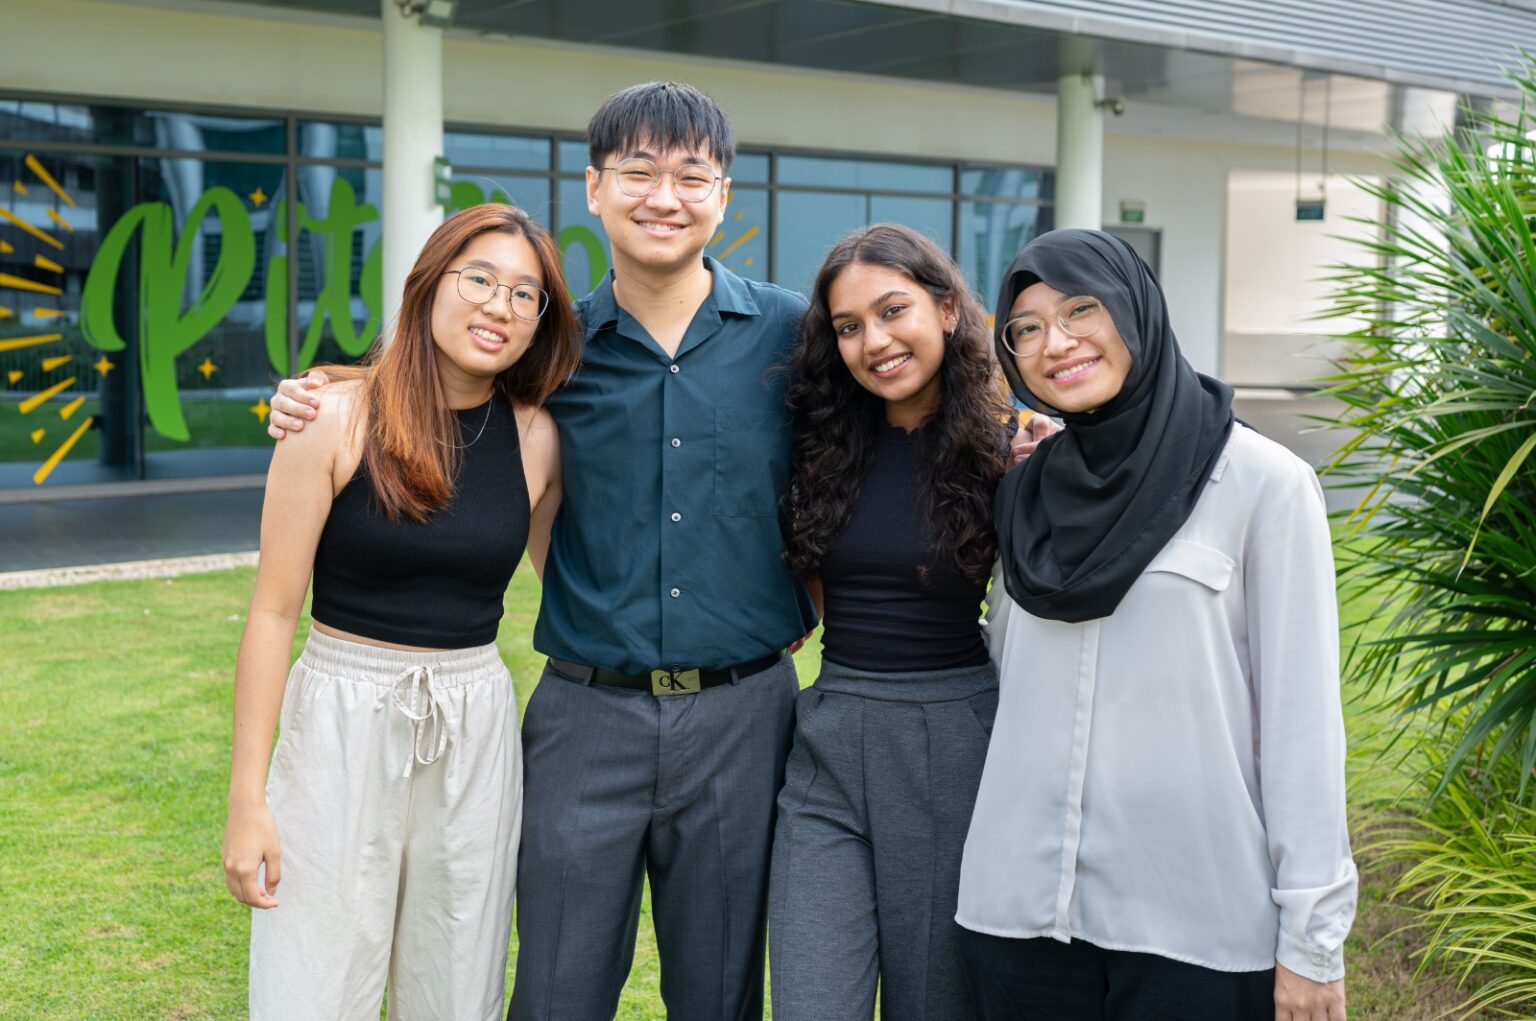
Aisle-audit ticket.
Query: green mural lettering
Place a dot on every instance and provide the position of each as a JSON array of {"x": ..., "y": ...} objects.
[
  {"x": 334, "y": 302},
  {"x": 597, "y": 255},
  {"x": 165, "y": 330},
  {"x": 463, "y": 194}
]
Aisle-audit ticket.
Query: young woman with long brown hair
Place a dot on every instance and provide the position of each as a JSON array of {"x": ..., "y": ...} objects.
[
  {"x": 392, "y": 809},
  {"x": 901, "y": 435}
]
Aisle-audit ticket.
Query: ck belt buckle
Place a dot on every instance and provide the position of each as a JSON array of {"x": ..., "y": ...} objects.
[{"x": 675, "y": 682}]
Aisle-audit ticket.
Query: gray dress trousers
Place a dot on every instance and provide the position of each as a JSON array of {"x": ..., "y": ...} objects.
[
  {"x": 621, "y": 784},
  {"x": 872, "y": 820}
]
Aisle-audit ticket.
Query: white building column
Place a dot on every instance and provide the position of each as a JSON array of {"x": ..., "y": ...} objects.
[
  {"x": 1079, "y": 140},
  {"x": 413, "y": 138}
]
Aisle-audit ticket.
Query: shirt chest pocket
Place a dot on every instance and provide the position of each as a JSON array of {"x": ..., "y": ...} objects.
[
  {"x": 1204, "y": 565},
  {"x": 751, "y": 461}
]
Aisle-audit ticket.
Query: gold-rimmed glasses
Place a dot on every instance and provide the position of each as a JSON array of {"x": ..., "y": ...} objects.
[
  {"x": 1078, "y": 317},
  {"x": 638, "y": 177},
  {"x": 477, "y": 287}
]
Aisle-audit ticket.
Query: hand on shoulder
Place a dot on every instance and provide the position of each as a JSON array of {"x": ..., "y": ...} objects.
[{"x": 297, "y": 401}]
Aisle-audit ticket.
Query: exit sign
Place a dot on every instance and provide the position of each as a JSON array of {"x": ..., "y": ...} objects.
[{"x": 1310, "y": 209}]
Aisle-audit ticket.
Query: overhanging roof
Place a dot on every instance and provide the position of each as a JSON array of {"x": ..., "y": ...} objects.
[{"x": 1358, "y": 65}]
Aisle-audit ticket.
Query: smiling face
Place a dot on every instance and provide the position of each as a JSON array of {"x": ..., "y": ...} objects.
[
  {"x": 1070, "y": 374},
  {"x": 475, "y": 342},
  {"x": 659, "y": 231},
  {"x": 890, "y": 334}
]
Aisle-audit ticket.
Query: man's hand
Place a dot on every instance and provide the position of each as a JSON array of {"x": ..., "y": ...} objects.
[
  {"x": 1301, "y": 999},
  {"x": 294, "y": 403},
  {"x": 1036, "y": 428}
]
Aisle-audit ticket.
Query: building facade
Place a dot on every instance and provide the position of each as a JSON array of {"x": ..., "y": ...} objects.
[{"x": 193, "y": 199}]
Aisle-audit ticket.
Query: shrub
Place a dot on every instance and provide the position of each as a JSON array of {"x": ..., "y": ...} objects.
[{"x": 1441, "y": 395}]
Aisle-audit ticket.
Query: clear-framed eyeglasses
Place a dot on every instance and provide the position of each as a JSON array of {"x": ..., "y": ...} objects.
[
  {"x": 477, "y": 287},
  {"x": 638, "y": 177},
  {"x": 1078, "y": 317}
]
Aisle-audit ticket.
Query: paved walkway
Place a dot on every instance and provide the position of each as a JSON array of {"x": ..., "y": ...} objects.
[{"x": 80, "y": 533}]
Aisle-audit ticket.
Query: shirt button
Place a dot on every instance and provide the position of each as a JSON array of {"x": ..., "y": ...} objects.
[
  {"x": 676, "y": 592},
  {"x": 674, "y": 368},
  {"x": 676, "y": 516},
  {"x": 676, "y": 442}
]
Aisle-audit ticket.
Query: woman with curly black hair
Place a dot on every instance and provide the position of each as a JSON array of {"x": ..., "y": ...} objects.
[{"x": 901, "y": 434}]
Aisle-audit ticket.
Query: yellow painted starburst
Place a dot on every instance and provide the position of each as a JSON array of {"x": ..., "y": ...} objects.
[
  {"x": 257, "y": 197},
  {"x": 104, "y": 366},
  {"x": 260, "y": 408},
  {"x": 207, "y": 368}
]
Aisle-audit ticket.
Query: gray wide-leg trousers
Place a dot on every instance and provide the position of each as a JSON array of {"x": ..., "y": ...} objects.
[
  {"x": 620, "y": 784},
  {"x": 872, "y": 820}
]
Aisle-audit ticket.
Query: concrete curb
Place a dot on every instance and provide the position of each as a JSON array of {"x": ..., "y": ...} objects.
[{"x": 169, "y": 568}]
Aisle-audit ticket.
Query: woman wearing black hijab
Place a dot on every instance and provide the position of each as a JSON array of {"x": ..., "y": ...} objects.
[{"x": 1160, "y": 831}]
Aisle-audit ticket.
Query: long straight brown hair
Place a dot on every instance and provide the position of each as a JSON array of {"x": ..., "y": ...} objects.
[{"x": 411, "y": 448}]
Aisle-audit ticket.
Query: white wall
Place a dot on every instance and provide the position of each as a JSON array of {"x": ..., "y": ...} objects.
[
  {"x": 1276, "y": 280},
  {"x": 241, "y": 55},
  {"x": 1184, "y": 186}
]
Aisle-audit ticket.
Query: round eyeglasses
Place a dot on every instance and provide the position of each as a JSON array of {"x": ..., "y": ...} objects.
[
  {"x": 1077, "y": 317},
  {"x": 477, "y": 287},
  {"x": 638, "y": 177}
]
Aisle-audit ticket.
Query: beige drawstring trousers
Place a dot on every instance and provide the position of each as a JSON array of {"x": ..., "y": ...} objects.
[{"x": 397, "y": 791}]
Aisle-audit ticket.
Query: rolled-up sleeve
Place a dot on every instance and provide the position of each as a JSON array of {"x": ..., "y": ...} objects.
[{"x": 1294, "y": 656}]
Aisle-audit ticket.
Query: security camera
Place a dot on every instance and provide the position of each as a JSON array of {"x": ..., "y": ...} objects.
[{"x": 1114, "y": 104}]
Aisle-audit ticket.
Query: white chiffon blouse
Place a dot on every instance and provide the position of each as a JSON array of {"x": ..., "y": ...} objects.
[{"x": 1170, "y": 779}]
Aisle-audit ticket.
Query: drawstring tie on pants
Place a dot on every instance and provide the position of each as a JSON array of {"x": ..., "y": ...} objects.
[{"x": 409, "y": 702}]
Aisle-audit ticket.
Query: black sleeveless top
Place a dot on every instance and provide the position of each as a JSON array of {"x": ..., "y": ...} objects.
[
  {"x": 880, "y": 614},
  {"x": 440, "y": 584}
]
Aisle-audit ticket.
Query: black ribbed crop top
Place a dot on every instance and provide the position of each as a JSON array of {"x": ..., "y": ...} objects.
[
  {"x": 440, "y": 584},
  {"x": 880, "y": 614}
]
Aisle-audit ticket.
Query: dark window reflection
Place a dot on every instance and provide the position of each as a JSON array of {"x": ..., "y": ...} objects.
[{"x": 885, "y": 175}]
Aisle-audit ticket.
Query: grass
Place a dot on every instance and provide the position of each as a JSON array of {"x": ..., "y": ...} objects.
[{"x": 116, "y": 702}]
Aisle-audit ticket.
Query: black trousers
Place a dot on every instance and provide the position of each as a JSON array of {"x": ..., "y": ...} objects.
[{"x": 1047, "y": 980}]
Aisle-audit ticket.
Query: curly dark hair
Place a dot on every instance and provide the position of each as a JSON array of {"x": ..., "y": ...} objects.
[{"x": 963, "y": 449}]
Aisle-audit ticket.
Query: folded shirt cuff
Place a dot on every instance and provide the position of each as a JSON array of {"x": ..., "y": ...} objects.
[{"x": 1310, "y": 960}]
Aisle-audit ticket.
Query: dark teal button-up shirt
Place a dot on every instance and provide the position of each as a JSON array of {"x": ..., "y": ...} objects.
[{"x": 665, "y": 552}]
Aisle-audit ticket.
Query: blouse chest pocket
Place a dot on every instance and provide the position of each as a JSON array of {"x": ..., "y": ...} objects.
[
  {"x": 751, "y": 461},
  {"x": 1205, "y": 565}
]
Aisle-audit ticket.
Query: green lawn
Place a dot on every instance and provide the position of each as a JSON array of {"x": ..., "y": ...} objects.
[{"x": 115, "y": 704}]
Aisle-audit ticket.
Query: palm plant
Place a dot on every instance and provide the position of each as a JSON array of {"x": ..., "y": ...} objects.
[
  {"x": 1441, "y": 396},
  {"x": 1471, "y": 870}
]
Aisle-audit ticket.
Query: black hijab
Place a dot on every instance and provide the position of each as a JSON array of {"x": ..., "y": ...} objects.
[{"x": 1080, "y": 520}]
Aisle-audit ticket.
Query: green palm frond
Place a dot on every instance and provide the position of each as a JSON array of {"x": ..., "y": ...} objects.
[{"x": 1440, "y": 393}]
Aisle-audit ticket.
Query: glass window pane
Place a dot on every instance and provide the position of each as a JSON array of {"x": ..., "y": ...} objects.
[
  {"x": 510, "y": 152},
  {"x": 69, "y": 413},
  {"x": 750, "y": 168},
  {"x": 991, "y": 234},
  {"x": 205, "y": 382},
  {"x": 529, "y": 193},
  {"x": 187, "y": 132},
  {"x": 806, "y": 226},
  {"x": 581, "y": 238},
  {"x": 1007, "y": 182},
  {"x": 21, "y": 120},
  {"x": 881, "y": 174},
  {"x": 573, "y": 156},
  {"x": 741, "y": 245},
  {"x": 324, "y": 140},
  {"x": 933, "y": 217},
  {"x": 340, "y": 272}
]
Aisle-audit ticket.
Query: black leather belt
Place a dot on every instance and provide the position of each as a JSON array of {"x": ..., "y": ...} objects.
[{"x": 666, "y": 682}]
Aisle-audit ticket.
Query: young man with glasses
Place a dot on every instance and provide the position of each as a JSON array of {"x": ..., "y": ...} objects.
[{"x": 656, "y": 739}]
